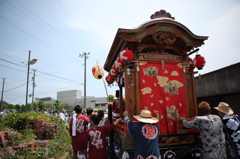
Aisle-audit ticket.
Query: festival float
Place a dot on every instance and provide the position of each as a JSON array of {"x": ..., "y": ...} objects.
[{"x": 152, "y": 67}]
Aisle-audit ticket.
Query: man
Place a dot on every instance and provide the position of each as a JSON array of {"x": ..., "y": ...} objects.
[
  {"x": 145, "y": 134},
  {"x": 116, "y": 105},
  {"x": 77, "y": 127},
  {"x": 61, "y": 114},
  {"x": 96, "y": 136},
  {"x": 211, "y": 131},
  {"x": 231, "y": 125}
]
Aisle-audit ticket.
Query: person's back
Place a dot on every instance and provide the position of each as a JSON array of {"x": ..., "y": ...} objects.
[
  {"x": 96, "y": 138},
  {"x": 211, "y": 132},
  {"x": 145, "y": 134},
  {"x": 146, "y": 139},
  {"x": 231, "y": 125}
]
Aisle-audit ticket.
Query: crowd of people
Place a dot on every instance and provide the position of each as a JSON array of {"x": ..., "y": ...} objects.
[{"x": 220, "y": 135}]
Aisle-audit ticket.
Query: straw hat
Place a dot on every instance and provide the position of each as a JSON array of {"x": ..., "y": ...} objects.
[
  {"x": 146, "y": 117},
  {"x": 224, "y": 108}
]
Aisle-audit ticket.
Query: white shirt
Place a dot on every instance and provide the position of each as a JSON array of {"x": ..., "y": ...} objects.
[{"x": 62, "y": 116}]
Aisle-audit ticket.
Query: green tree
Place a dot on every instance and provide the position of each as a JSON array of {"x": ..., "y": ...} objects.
[
  {"x": 66, "y": 106},
  {"x": 11, "y": 106},
  {"x": 29, "y": 106},
  {"x": 18, "y": 107},
  {"x": 41, "y": 105},
  {"x": 35, "y": 106},
  {"x": 56, "y": 104},
  {"x": 23, "y": 108},
  {"x": 110, "y": 98},
  {"x": 49, "y": 106}
]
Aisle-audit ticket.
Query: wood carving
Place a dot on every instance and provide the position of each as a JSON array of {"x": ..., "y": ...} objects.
[
  {"x": 164, "y": 38},
  {"x": 153, "y": 56}
]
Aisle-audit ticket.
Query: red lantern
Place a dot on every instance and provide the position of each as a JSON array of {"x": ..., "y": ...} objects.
[
  {"x": 108, "y": 79},
  {"x": 119, "y": 63},
  {"x": 113, "y": 73},
  {"x": 199, "y": 62},
  {"x": 115, "y": 69},
  {"x": 97, "y": 72},
  {"x": 126, "y": 56}
]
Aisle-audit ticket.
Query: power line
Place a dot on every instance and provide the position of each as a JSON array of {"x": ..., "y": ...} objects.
[
  {"x": 13, "y": 68},
  {"x": 48, "y": 24},
  {"x": 58, "y": 89},
  {"x": 13, "y": 63},
  {"x": 10, "y": 57},
  {"x": 37, "y": 38},
  {"x": 35, "y": 25},
  {"x": 15, "y": 88},
  {"x": 38, "y": 71},
  {"x": 57, "y": 76}
]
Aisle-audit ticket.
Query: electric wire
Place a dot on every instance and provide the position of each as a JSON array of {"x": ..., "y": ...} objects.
[
  {"x": 10, "y": 57},
  {"x": 50, "y": 25},
  {"x": 35, "y": 25},
  {"x": 38, "y": 39},
  {"x": 37, "y": 70}
]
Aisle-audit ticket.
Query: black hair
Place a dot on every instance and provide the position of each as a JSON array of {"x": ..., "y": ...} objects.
[
  {"x": 95, "y": 118},
  {"x": 89, "y": 111},
  {"x": 117, "y": 93},
  {"x": 78, "y": 109},
  {"x": 100, "y": 113}
]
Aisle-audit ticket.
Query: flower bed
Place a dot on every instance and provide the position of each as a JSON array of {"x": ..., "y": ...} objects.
[{"x": 33, "y": 135}]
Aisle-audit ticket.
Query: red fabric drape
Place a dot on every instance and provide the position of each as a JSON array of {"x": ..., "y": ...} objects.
[{"x": 162, "y": 91}]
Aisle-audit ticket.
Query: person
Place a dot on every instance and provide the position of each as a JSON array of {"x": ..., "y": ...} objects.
[
  {"x": 116, "y": 105},
  {"x": 106, "y": 114},
  {"x": 77, "y": 127},
  {"x": 231, "y": 125},
  {"x": 61, "y": 115},
  {"x": 96, "y": 136},
  {"x": 102, "y": 119},
  {"x": 54, "y": 113},
  {"x": 95, "y": 111},
  {"x": 89, "y": 112},
  {"x": 211, "y": 132},
  {"x": 145, "y": 134}
]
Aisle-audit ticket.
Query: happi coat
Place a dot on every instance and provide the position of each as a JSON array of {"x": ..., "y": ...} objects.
[
  {"x": 81, "y": 126},
  {"x": 212, "y": 136},
  {"x": 231, "y": 124},
  {"x": 146, "y": 140},
  {"x": 96, "y": 136}
]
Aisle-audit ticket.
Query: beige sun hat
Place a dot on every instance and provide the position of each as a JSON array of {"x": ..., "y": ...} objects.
[
  {"x": 224, "y": 108},
  {"x": 146, "y": 117}
]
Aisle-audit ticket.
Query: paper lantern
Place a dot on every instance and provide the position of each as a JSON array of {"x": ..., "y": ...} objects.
[
  {"x": 113, "y": 73},
  {"x": 126, "y": 56},
  {"x": 115, "y": 69},
  {"x": 119, "y": 63},
  {"x": 108, "y": 79},
  {"x": 199, "y": 62},
  {"x": 97, "y": 72}
]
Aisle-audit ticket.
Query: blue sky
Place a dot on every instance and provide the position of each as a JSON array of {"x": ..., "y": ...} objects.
[{"x": 57, "y": 31}]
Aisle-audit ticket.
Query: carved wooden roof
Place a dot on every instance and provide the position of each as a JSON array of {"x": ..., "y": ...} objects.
[{"x": 161, "y": 34}]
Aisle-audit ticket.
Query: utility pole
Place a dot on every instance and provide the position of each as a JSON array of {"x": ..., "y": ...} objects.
[
  {"x": 1, "y": 106},
  {"x": 32, "y": 62},
  {"x": 33, "y": 89},
  {"x": 27, "y": 78},
  {"x": 84, "y": 55}
]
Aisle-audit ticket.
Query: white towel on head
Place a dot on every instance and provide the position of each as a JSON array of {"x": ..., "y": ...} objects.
[{"x": 74, "y": 128}]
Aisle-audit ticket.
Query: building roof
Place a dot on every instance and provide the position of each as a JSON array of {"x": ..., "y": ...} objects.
[{"x": 179, "y": 40}]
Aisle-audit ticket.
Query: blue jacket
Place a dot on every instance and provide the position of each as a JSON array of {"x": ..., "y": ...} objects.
[{"x": 146, "y": 139}]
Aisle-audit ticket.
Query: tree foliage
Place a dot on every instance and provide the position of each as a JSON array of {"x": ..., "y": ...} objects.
[
  {"x": 57, "y": 104},
  {"x": 110, "y": 98},
  {"x": 41, "y": 105}
]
